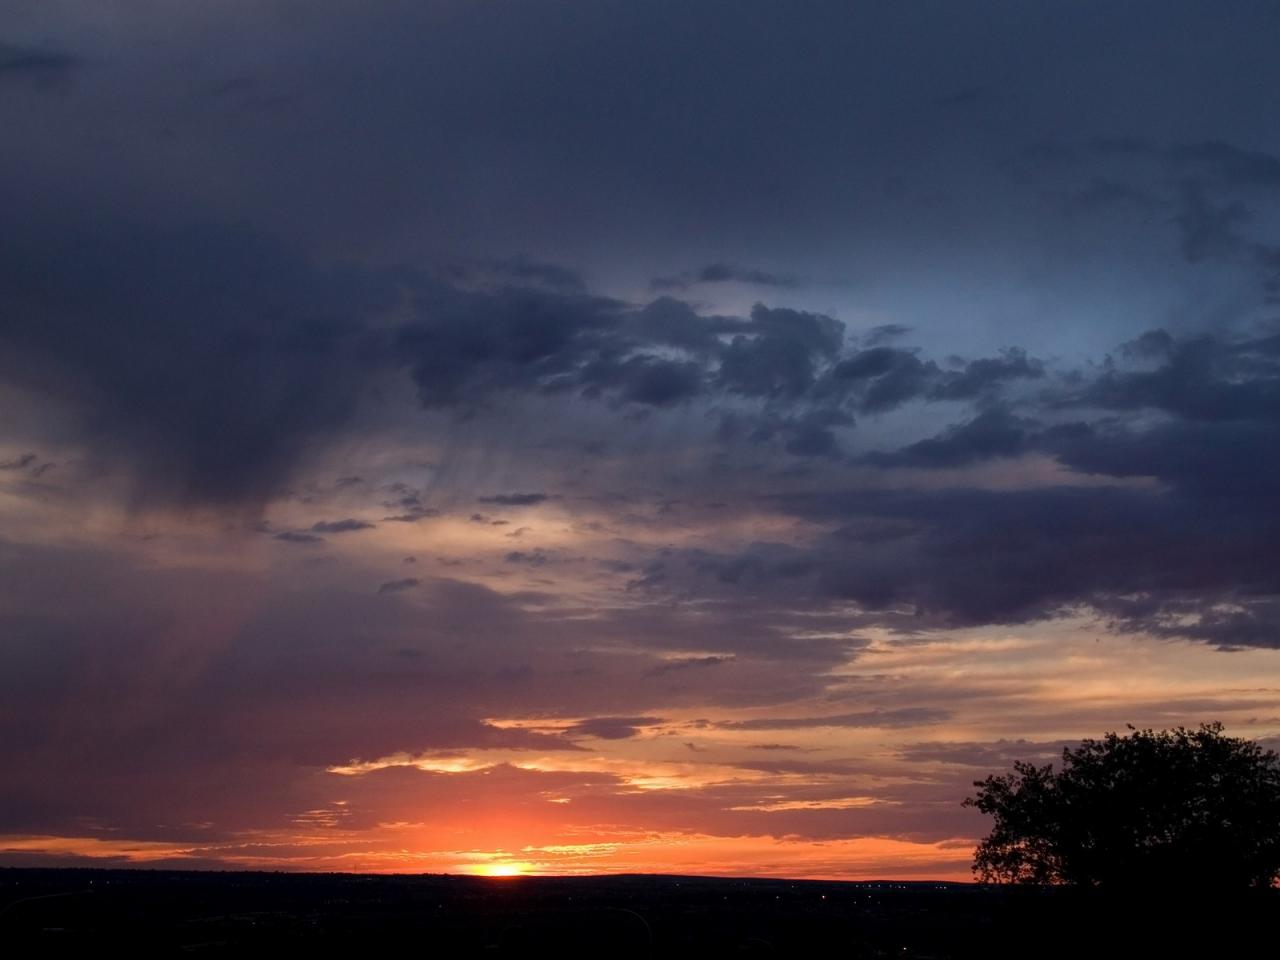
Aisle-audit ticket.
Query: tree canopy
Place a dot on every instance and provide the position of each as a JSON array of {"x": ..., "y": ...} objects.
[{"x": 1149, "y": 808}]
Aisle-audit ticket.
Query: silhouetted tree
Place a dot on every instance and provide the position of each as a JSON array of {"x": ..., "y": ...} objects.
[{"x": 1174, "y": 807}]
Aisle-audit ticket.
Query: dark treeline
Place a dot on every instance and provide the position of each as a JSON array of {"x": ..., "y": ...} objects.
[{"x": 46, "y": 912}]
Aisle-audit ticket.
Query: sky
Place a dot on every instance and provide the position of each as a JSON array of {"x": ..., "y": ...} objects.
[{"x": 480, "y": 436}]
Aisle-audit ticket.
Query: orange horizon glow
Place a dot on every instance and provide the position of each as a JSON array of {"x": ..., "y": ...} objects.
[
  {"x": 880, "y": 859},
  {"x": 502, "y": 870}
]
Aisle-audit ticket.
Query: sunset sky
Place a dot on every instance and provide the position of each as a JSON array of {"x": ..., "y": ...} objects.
[{"x": 577, "y": 437}]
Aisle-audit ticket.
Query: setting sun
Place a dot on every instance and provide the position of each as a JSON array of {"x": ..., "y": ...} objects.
[{"x": 501, "y": 870}]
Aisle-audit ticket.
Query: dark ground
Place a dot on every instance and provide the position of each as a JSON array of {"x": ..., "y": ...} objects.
[{"x": 78, "y": 912}]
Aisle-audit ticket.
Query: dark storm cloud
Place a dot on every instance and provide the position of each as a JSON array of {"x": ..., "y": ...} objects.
[
  {"x": 218, "y": 409},
  {"x": 1192, "y": 557},
  {"x": 1193, "y": 554},
  {"x": 1205, "y": 378},
  {"x": 1208, "y": 463},
  {"x": 1230, "y": 620},
  {"x": 601, "y": 348},
  {"x": 212, "y": 361},
  {"x": 881, "y": 378},
  {"x": 528, "y": 340},
  {"x": 778, "y": 355},
  {"x": 965, "y": 557},
  {"x": 646, "y": 380},
  {"x": 1220, "y": 398},
  {"x": 200, "y": 419},
  {"x": 808, "y": 434},
  {"x": 673, "y": 323},
  {"x": 993, "y": 433},
  {"x": 209, "y": 357},
  {"x": 978, "y": 377},
  {"x": 253, "y": 354}
]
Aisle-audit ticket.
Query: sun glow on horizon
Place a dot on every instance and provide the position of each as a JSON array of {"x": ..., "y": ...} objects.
[{"x": 501, "y": 870}]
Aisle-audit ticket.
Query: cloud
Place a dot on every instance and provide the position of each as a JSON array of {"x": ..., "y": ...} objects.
[
  {"x": 553, "y": 344},
  {"x": 529, "y": 341},
  {"x": 882, "y": 378},
  {"x": 349, "y": 525},
  {"x": 646, "y": 380},
  {"x": 1199, "y": 416},
  {"x": 992, "y": 433},
  {"x": 38, "y": 63},
  {"x": 1104, "y": 193},
  {"x": 278, "y": 354},
  {"x": 412, "y": 517},
  {"x": 987, "y": 756},
  {"x": 533, "y": 558},
  {"x": 268, "y": 355},
  {"x": 1218, "y": 196},
  {"x": 611, "y": 728},
  {"x": 903, "y": 717},
  {"x": 1209, "y": 229},
  {"x": 967, "y": 557},
  {"x": 399, "y": 586},
  {"x": 1230, "y": 163},
  {"x": 523, "y": 270},
  {"x": 409, "y": 501},
  {"x": 20, "y": 462},
  {"x": 678, "y": 664},
  {"x": 884, "y": 333},
  {"x": 292, "y": 536},
  {"x": 777, "y": 354},
  {"x": 516, "y": 499},
  {"x": 724, "y": 273},
  {"x": 980, "y": 376},
  {"x": 1202, "y": 378}
]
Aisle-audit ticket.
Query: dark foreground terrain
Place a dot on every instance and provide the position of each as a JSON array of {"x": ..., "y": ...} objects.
[{"x": 81, "y": 912}]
